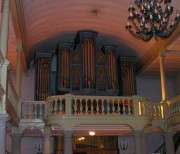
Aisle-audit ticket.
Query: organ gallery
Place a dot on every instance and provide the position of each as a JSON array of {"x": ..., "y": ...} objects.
[{"x": 84, "y": 68}]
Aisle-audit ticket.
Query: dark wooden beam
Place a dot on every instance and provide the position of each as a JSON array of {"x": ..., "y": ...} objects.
[{"x": 155, "y": 51}]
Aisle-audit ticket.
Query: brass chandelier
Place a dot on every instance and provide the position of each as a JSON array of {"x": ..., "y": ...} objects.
[{"x": 152, "y": 20}]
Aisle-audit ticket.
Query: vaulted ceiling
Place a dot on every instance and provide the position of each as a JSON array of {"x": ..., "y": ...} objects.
[{"x": 40, "y": 24}]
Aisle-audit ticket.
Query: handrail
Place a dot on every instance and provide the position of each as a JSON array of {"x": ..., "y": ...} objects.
[
  {"x": 176, "y": 141},
  {"x": 161, "y": 149},
  {"x": 1, "y": 59},
  {"x": 12, "y": 95}
]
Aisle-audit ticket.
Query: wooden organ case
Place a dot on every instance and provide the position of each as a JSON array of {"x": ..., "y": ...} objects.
[
  {"x": 83, "y": 68},
  {"x": 86, "y": 69}
]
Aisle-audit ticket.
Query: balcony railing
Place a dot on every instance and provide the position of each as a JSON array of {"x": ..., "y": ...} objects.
[
  {"x": 154, "y": 110},
  {"x": 13, "y": 98},
  {"x": 33, "y": 109},
  {"x": 102, "y": 105},
  {"x": 174, "y": 106}
]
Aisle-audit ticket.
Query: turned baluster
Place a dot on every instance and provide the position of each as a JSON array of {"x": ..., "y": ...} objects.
[
  {"x": 97, "y": 107},
  {"x": 40, "y": 110},
  {"x": 80, "y": 103},
  {"x": 102, "y": 104},
  {"x": 35, "y": 110},
  {"x": 124, "y": 108},
  {"x": 55, "y": 106},
  {"x": 91, "y": 101},
  {"x": 129, "y": 107},
  {"x": 113, "y": 107},
  {"x": 108, "y": 107},
  {"x": 60, "y": 106},
  {"x": 86, "y": 106},
  {"x": 118, "y": 106}
]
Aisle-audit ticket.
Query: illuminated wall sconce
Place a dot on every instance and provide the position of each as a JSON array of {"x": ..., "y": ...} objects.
[{"x": 123, "y": 146}]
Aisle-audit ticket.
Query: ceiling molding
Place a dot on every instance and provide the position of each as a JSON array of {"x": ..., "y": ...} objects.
[
  {"x": 17, "y": 13},
  {"x": 155, "y": 51}
]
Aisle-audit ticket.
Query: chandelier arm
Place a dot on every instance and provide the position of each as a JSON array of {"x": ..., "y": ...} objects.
[
  {"x": 135, "y": 25},
  {"x": 169, "y": 32},
  {"x": 145, "y": 38}
]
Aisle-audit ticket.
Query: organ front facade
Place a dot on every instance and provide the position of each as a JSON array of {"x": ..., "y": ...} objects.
[{"x": 84, "y": 68}]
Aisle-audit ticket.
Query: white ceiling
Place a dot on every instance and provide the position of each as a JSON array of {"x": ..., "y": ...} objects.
[{"x": 44, "y": 23}]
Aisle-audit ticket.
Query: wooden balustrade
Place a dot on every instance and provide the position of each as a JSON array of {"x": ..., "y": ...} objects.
[
  {"x": 174, "y": 106},
  {"x": 33, "y": 109},
  {"x": 92, "y": 105},
  {"x": 154, "y": 110},
  {"x": 97, "y": 106}
]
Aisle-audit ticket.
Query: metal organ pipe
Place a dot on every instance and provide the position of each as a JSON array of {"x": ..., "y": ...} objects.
[
  {"x": 68, "y": 52},
  {"x": 114, "y": 70},
  {"x": 38, "y": 81},
  {"x": 62, "y": 69},
  {"x": 93, "y": 63},
  {"x": 88, "y": 62},
  {"x": 89, "y": 67}
]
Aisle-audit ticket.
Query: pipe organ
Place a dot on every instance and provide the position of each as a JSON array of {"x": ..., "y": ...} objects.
[
  {"x": 128, "y": 78},
  {"x": 84, "y": 68},
  {"x": 92, "y": 70},
  {"x": 43, "y": 67},
  {"x": 63, "y": 67}
]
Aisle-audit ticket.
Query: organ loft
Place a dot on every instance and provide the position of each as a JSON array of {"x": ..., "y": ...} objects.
[{"x": 84, "y": 68}]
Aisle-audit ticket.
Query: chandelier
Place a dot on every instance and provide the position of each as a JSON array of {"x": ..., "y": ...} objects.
[{"x": 152, "y": 20}]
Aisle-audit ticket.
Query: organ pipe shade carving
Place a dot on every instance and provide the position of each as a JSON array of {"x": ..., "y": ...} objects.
[
  {"x": 42, "y": 78},
  {"x": 88, "y": 63},
  {"x": 128, "y": 78}
]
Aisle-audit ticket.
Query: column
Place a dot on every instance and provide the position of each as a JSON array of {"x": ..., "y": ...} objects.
[
  {"x": 4, "y": 28},
  {"x": 169, "y": 143},
  {"x": 163, "y": 78},
  {"x": 47, "y": 144},
  {"x": 3, "y": 48},
  {"x": 18, "y": 69},
  {"x": 68, "y": 142},
  {"x": 145, "y": 143},
  {"x": 16, "y": 144},
  {"x": 3, "y": 119},
  {"x": 163, "y": 86},
  {"x": 59, "y": 145},
  {"x": 138, "y": 142}
]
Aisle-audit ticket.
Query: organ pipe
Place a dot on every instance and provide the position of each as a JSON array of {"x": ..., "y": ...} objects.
[
  {"x": 65, "y": 65},
  {"x": 111, "y": 62},
  {"x": 128, "y": 78},
  {"x": 43, "y": 79},
  {"x": 88, "y": 63}
]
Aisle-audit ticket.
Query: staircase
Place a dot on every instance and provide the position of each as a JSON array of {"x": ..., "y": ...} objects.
[{"x": 162, "y": 148}]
